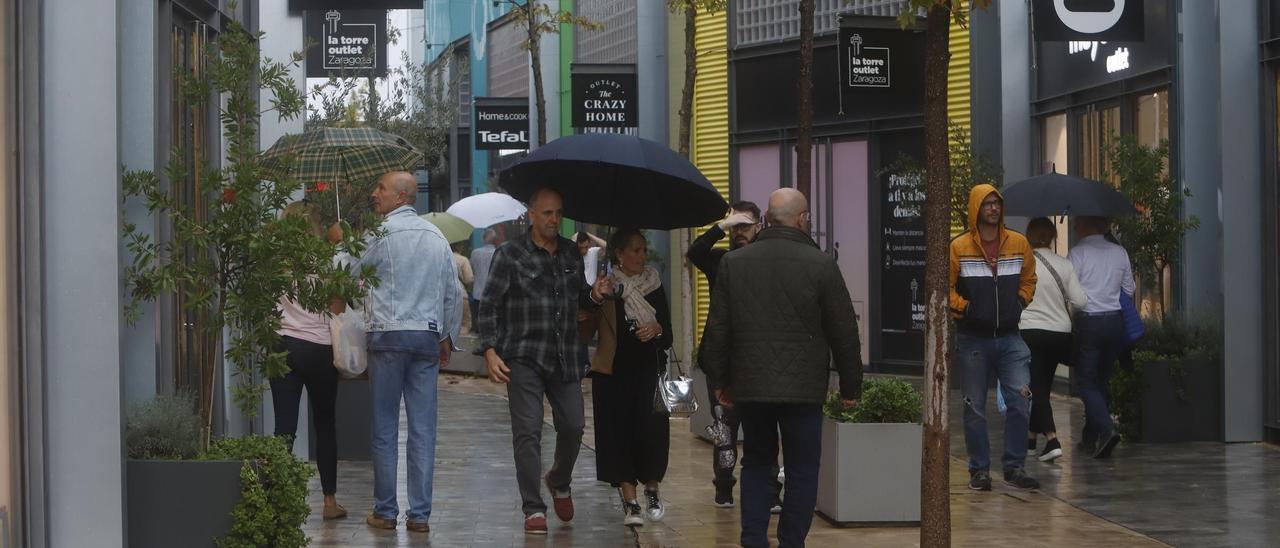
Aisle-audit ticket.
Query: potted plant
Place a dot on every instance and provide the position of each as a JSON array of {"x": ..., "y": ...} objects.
[
  {"x": 230, "y": 258},
  {"x": 175, "y": 499},
  {"x": 870, "y": 472},
  {"x": 1173, "y": 393}
]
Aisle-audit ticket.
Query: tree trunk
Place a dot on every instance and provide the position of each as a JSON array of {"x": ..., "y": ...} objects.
[
  {"x": 935, "y": 503},
  {"x": 804, "y": 129},
  {"x": 535, "y": 54},
  {"x": 690, "y": 75}
]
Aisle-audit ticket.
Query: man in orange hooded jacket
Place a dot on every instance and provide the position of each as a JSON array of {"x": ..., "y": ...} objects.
[{"x": 993, "y": 278}]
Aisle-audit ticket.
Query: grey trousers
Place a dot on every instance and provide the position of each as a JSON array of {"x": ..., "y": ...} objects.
[{"x": 525, "y": 392}]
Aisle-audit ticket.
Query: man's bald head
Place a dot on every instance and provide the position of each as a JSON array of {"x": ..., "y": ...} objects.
[
  {"x": 788, "y": 207},
  {"x": 395, "y": 189},
  {"x": 405, "y": 183}
]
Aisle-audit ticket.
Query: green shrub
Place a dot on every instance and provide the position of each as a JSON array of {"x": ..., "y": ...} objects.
[
  {"x": 165, "y": 428},
  {"x": 1173, "y": 341},
  {"x": 273, "y": 493},
  {"x": 883, "y": 400}
]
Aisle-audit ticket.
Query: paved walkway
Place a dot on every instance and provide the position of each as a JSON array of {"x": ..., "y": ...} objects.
[{"x": 476, "y": 503}]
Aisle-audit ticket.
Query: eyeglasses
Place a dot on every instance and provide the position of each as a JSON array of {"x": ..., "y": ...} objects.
[{"x": 992, "y": 205}]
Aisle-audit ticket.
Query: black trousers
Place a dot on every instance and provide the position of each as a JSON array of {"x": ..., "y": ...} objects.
[
  {"x": 801, "y": 428},
  {"x": 1048, "y": 349},
  {"x": 310, "y": 367},
  {"x": 632, "y": 440}
]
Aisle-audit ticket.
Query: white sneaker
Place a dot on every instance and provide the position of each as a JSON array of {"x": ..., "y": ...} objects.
[
  {"x": 655, "y": 510},
  {"x": 631, "y": 514}
]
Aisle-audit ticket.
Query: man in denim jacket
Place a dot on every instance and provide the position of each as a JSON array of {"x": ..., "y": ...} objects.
[{"x": 411, "y": 319}]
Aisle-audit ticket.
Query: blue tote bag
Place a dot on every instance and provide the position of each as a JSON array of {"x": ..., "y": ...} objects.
[{"x": 1134, "y": 329}]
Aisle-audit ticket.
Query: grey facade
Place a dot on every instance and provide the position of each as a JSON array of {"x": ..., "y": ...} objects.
[
  {"x": 1194, "y": 81},
  {"x": 73, "y": 365}
]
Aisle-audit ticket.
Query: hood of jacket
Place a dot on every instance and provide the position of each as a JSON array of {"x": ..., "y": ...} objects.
[{"x": 976, "y": 195}]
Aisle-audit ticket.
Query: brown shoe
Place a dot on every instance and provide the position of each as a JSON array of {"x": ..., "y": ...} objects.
[
  {"x": 561, "y": 500},
  {"x": 535, "y": 524},
  {"x": 380, "y": 523},
  {"x": 417, "y": 526},
  {"x": 335, "y": 512}
]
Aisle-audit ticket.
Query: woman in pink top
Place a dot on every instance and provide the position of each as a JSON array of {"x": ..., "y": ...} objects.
[{"x": 304, "y": 335}]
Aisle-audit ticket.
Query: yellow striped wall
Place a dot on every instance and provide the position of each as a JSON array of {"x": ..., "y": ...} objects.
[
  {"x": 710, "y": 139},
  {"x": 958, "y": 77},
  {"x": 959, "y": 110}
]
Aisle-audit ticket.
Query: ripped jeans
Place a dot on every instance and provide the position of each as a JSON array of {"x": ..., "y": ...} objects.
[{"x": 978, "y": 359}]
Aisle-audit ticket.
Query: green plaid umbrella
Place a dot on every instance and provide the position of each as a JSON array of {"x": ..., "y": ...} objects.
[
  {"x": 339, "y": 155},
  {"x": 455, "y": 229}
]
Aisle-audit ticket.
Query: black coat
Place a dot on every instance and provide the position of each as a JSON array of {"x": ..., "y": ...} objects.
[{"x": 780, "y": 315}]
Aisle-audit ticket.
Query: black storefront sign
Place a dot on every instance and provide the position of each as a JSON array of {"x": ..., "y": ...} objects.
[
  {"x": 1111, "y": 20},
  {"x": 501, "y": 123},
  {"x": 346, "y": 43},
  {"x": 902, "y": 257},
  {"x": 1066, "y": 67},
  {"x": 604, "y": 95},
  {"x": 316, "y": 5},
  {"x": 880, "y": 68}
]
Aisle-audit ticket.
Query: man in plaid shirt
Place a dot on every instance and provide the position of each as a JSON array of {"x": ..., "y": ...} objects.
[{"x": 529, "y": 330}]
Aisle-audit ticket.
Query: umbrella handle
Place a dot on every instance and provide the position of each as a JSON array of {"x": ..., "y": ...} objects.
[{"x": 337, "y": 202}]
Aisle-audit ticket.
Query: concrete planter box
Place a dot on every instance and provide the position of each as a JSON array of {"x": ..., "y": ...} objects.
[
  {"x": 1166, "y": 417},
  {"x": 870, "y": 473},
  {"x": 354, "y": 418},
  {"x": 180, "y": 502}
]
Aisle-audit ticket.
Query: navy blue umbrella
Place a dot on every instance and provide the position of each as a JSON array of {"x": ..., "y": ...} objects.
[
  {"x": 1058, "y": 194},
  {"x": 618, "y": 180}
]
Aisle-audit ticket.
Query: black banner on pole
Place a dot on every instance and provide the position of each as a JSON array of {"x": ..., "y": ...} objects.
[
  {"x": 604, "y": 95},
  {"x": 880, "y": 68},
  {"x": 501, "y": 123},
  {"x": 347, "y": 43},
  {"x": 1088, "y": 20}
]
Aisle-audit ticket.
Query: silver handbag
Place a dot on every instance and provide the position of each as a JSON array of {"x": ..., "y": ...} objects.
[{"x": 674, "y": 395}]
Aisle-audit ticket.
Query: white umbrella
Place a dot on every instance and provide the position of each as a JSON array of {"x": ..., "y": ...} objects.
[{"x": 487, "y": 209}]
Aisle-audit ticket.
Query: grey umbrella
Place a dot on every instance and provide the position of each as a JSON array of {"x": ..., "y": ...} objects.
[{"x": 1058, "y": 194}]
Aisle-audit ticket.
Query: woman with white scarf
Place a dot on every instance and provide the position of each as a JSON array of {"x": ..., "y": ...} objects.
[{"x": 635, "y": 332}]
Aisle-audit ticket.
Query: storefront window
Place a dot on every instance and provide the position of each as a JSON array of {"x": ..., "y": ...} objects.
[
  {"x": 1054, "y": 138},
  {"x": 188, "y": 133},
  {"x": 1153, "y": 118},
  {"x": 1099, "y": 127}
]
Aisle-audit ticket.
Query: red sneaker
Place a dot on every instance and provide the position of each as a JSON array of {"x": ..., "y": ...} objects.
[
  {"x": 561, "y": 500},
  {"x": 535, "y": 524}
]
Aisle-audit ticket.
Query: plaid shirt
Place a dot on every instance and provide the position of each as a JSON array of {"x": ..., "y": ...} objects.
[{"x": 529, "y": 312}]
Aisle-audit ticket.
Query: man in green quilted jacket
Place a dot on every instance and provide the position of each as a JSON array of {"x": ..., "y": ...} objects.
[{"x": 780, "y": 315}]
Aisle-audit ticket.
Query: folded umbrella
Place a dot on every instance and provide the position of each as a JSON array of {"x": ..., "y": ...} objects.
[
  {"x": 455, "y": 230},
  {"x": 1059, "y": 194},
  {"x": 618, "y": 180},
  {"x": 488, "y": 209}
]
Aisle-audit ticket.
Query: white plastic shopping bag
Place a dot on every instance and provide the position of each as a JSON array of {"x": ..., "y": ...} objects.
[{"x": 349, "y": 344}]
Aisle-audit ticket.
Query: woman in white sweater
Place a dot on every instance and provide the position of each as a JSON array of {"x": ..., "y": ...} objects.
[{"x": 1046, "y": 328}]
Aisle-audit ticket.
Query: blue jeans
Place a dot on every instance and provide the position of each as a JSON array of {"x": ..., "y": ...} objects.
[
  {"x": 801, "y": 428},
  {"x": 1099, "y": 340},
  {"x": 1007, "y": 358},
  {"x": 413, "y": 376}
]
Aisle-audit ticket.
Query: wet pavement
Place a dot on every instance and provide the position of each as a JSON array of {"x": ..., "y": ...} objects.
[
  {"x": 1148, "y": 495},
  {"x": 1203, "y": 494}
]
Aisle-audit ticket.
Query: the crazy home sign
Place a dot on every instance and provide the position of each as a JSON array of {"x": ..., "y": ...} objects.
[
  {"x": 502, "y": 123},
  {"x": 604, "y": 95},
  {"x": 346, "y": 43}
]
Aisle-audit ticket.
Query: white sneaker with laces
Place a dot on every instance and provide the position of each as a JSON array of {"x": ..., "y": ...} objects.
[
  {"x": 631, "y": 514},
  {"x": 655, "y": 510}
]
